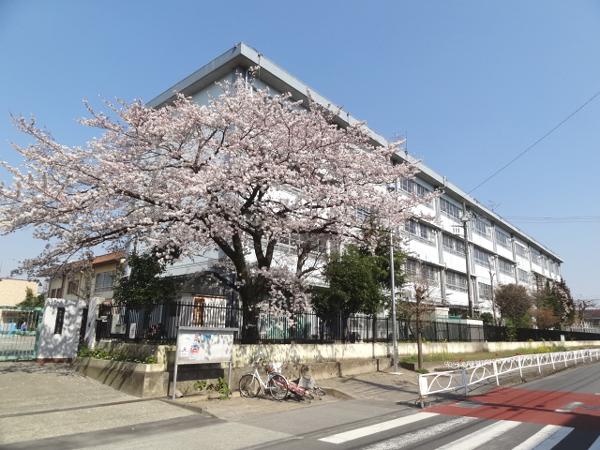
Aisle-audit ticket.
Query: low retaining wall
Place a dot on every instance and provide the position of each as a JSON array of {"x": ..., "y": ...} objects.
[
  {"x": 141, "y": 380},
  {"x": 325, "y": 361}
]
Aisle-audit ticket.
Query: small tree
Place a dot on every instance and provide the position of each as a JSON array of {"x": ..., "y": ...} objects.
[
  {"x": 144, "y": 284},
  {"x": 422, "y": 307},
  {"x": 32, "y": 300},
  {"x": 514, "y": 303},
  {"x": 354, "y": 286}
]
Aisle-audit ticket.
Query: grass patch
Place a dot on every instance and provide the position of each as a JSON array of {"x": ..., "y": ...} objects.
[{"x": 457, "y": 357}]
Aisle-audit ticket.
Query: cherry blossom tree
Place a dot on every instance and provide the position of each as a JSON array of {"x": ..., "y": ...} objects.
[{"x": 242, "y": 174}]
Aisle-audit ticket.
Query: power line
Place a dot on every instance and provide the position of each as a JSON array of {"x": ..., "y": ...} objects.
[
  {"x": 548, "y": 133},
  {"x": 555, "y": 219}
]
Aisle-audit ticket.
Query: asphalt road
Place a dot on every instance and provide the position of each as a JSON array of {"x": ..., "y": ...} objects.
[{"x": 561, "y": 411}]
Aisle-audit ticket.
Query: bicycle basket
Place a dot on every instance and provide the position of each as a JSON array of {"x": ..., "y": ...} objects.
[{"x": 272, "y": 367}]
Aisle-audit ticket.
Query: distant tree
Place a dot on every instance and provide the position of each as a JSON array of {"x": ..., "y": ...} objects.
[
  {"x": 554, "y": 305},
  {"x": 32, "y": 300},
  {"x": 487, "y": 318},
  {"x": 145, "y": 283},
  {"x": 514, "y": 303},
  {"x": 581, "y": 306}
]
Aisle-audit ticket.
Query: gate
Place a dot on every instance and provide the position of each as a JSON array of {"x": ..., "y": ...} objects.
[{"x": 19, "y": 332}]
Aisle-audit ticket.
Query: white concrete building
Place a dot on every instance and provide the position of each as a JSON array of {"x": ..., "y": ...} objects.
[{"x": 498, "y": 250}]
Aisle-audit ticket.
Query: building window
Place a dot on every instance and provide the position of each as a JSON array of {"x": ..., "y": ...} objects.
[
  {"x": 523, "y": 275},
  {"x": 105, "y": 280},
  {"x": 73, "y": 287},
  {"x": 453, "y": 245},
  {"x": 293, "y": 241},
  {"x": 485, "y": 291},
  {"x": 502, "y": 238},
  {"x": 450, "y": 209},
  {"x": 60, "y": 319},
  {"x": 56, "y": 293},
  {"x": 456, "y": 281},
  {"x": 481, "y": 257},
  {"x": 505, "y": 266},
  {"x": 536, "y": 257},
  {"x": 420, "y": 230},
  {"x": 482, "y": 227},
  {"x": 521, "y": 250},
  {"x": 421, "y": 273}
]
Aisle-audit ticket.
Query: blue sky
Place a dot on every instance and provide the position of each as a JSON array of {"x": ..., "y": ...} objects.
[{"x": 470, "y": 83}]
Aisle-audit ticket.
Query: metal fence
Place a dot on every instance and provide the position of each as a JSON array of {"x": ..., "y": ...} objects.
[
  {"x": 477, "y": 372},
  {"x": 158, "y": 323}
]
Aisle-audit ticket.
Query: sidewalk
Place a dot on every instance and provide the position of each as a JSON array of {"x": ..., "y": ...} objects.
[{"x": 398, "y": 387}]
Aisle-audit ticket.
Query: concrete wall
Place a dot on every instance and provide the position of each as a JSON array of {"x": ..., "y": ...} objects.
[
  {"x": 61, "y": 345},
  {"x": 12, "y": 291},
  {"x": 141, "y": 380}
]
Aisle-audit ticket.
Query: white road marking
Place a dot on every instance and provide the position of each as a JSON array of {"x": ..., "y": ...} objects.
[
  {"x": 480, "y": 437},
  {"x": 546, "y": 438},
  {"x": 595, "y": 445},
  {"x": 421, "y": 435},
  {"x": 376, "y": 428}
]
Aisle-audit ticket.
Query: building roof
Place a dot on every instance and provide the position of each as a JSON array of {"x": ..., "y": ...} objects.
[
  {"x": 108, "y": 258},
  {"x": 244, "y": 56}
]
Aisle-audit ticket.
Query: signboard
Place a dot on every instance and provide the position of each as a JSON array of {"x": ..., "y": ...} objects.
[{"x": 202, "y": 345}]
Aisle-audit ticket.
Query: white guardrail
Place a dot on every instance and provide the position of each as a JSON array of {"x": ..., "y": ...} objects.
[{"x": 473, "y": 372}]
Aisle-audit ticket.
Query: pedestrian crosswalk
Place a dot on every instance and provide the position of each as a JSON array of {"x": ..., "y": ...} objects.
[{"x": 437, "y": 431}]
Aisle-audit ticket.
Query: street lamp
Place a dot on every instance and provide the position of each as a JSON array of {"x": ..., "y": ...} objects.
[{"x": 393, "y": 287}]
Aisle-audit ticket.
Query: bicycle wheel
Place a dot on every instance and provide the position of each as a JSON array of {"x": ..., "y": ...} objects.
[
  {"x": 278, "y": 386},
  {"x": 249, "y": 386}
]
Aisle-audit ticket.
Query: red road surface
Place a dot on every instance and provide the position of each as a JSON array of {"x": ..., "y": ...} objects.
[{"x": 576, "y": 409}]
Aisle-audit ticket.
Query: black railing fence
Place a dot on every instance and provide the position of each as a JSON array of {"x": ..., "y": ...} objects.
[{"x": 158, "y": 323}]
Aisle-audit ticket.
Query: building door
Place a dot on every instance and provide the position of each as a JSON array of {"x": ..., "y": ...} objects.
[{"x": 198, "y": 312}]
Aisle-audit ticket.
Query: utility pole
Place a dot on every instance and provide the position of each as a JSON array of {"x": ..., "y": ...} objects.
[
  {"x": 465, "y": 220},
  {"x": 493, "y": 266},
  {"x": 393, "y": 287}
]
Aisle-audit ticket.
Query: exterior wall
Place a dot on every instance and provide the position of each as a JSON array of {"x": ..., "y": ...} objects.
[{"x": 12, "y": 291}]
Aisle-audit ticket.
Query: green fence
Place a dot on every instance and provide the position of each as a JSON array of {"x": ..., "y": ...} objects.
[{"x": 19, "y": 333}]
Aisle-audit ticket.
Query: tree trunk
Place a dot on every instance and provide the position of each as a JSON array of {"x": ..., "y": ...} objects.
[
  {"x": 250, "y": 298},
  {"x": 419, "y": 344}
]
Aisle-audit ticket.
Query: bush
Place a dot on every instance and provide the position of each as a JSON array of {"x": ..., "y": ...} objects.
[{"x": 110, "y": 355}]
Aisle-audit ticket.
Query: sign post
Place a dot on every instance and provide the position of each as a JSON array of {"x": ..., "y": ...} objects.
[{"x": 203, "y": 345}]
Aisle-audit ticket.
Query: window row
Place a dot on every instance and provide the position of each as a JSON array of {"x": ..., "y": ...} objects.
[
  {"x": 420, "y": 230},
  {"x": 293, "y": 241}
]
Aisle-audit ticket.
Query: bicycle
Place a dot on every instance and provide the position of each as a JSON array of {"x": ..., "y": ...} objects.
[{"x": 251, "y": 384}]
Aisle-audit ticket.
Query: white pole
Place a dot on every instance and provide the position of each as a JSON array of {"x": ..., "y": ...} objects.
[{"x": 393, "y": 288}]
